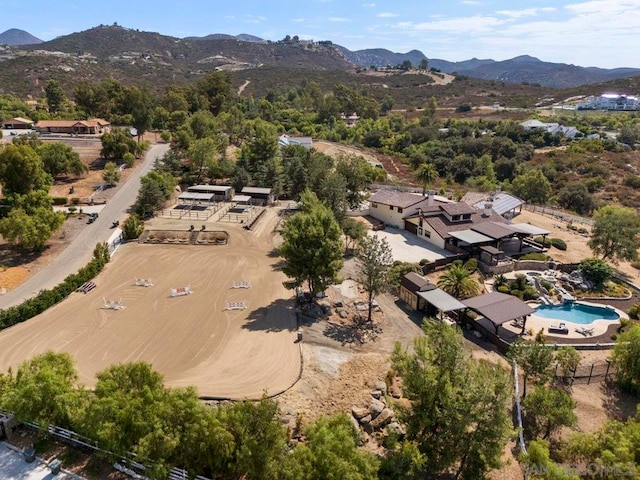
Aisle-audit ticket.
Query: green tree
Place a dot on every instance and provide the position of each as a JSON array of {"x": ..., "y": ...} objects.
[
  {"x": 133, "y": 227},
  {"x": 614, "y": 233},
  {"x": 31, "y": 221},
  {"x": 58, "y": 159},
  {"x": 537, "y": 464},
  {"x": 595, "y": 270},
  {"x": 354, "y": 231},
  {"x": 22, "y": 170},
  {"x": 155, "y": 189},
  {"x": 331, "y": 452},
  {"x": 55, "y": 95},
  {"x": 575, "y": 196},
  {"x": 458, "y": 414},
  {"x": 532, "y": 186},
  {"x": 534, "y": 358},
  {"x": 111, "y": 173},
  {"x": 44, "y": 390},
  {"x": 426, "y": 175},
  {"x": 312, "y": 248},
  {"x": 374, "y": 260},
  {"x": 333, "y": 193},
  {"x": 547, "y": 410},
  {"x": 116, "y": 143},
  {"x": 568, "y": 359},
  {"x": 359, "y": 174},
  {"x": 216, "y": 88},
  {"x": 457, "y": 281},
  {"x": 139, "y": 103},
  {"x": 626, "y": 359}
]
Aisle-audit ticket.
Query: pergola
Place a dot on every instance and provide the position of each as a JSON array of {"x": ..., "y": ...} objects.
[{"x": 499, "y": 308}]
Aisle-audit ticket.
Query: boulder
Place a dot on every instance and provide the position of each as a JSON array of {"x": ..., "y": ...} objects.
[
  {"x": 343, "y": 313},
  {"x": 385, "y": 418},
  {"x": 359, "y": 412},
  {"x": 396, "y": 393},
  {"x": 380, "y": 385},
  {"x": 366, "y": 420},
  {"x": 396, "y": 428},
  {"x": 356, "y": 425},
  {"x": 376, "y": 394},
  {"x": 376, "y": 407}
]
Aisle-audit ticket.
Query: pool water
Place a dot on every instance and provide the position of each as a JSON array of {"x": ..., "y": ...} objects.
[{"x": 576, "y": 313}]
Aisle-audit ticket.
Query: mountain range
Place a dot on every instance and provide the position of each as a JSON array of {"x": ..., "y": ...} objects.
[{"x": 183, "y": 56}]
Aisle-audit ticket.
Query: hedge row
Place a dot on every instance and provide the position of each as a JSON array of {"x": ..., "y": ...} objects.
[{"x": 48, "y": 298}]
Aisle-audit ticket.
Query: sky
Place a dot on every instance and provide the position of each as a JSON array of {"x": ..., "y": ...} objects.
[{"x": 602, "y": 33}]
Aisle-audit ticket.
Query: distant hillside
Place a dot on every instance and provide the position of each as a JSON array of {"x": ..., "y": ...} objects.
[
  {"x": 380, "y": 57},
  {"x": 557, "y": 75},
  {"x": 15, "y": 36},
  {"x": 450, "y": 67},
  {"x": 245, "y": 37}
]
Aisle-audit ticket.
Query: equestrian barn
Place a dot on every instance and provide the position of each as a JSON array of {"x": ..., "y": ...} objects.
[
  {"x": 221, "y": 193},
  {"x": 259, "y": 195}
]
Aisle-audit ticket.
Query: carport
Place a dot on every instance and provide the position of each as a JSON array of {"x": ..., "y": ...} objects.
[{"x": 440, "y": 301}]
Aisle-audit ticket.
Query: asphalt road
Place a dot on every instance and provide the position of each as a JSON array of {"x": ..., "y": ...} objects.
[{"x": 79, "y": 251}]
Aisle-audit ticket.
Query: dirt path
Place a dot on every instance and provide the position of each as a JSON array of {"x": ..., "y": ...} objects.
[{"x": 243, "y": 86}]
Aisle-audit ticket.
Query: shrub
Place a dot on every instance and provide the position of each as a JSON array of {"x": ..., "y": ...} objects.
[
  {"x": 516, "y": 293},
  {"x": 634, "y": 311},
  {"x": 75, "y": 201},
  {"x": 165, "y": 136},
  {"x": 535, "y": 256},
  {"x": 595, "y": 270},
  {"x": 558, "y": 243},
  {"x": 545, "y": 242},
  {"x": 503, "y": 289},
  {"x": 471, "y": 265},
  {"x": 60, "y": 200},
  {"x": 424, "y": 261},
  {"x": 72, "y": 209},
  {"x": 129, "y": 159},
  {"x": 530, "y": 293}
]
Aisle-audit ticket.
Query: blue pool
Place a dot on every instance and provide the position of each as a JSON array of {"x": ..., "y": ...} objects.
[{"x": 576, "y": 313}]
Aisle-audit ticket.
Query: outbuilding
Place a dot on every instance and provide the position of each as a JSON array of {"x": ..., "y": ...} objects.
[{"x": 259, "y": 195}]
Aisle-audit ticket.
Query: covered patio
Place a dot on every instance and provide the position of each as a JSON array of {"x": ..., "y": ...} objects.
[{"x": 500, "y": 308}]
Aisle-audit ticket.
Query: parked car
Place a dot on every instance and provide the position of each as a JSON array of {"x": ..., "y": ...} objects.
[{"x": 92, "y": 217}]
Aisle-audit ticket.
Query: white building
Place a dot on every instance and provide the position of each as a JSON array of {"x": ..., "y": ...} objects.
[
  {"x": 611, "y": 101},
  {"x": 392, "y": 206}
]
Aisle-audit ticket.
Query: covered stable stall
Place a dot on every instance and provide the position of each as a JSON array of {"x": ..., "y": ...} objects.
[
  {"x": 221, "y": 193},
  {"x": 259, "y": 195},
  {"x": 190, "y": 198}
]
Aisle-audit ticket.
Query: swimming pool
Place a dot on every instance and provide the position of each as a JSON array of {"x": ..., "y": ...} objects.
[{"x": 576, "y": 313}]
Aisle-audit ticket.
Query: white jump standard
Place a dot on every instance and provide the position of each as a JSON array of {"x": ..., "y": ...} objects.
[
  {"x": 112, "y": 304},
  {"x": 241, "y": 284},
  {"x": 180, "y": 291},
  {"x": 236, "y": 305},
  {"x": 143, "y": 282}
]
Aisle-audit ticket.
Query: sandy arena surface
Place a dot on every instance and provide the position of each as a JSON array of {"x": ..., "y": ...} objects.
[{"x": 191, "y": 340}]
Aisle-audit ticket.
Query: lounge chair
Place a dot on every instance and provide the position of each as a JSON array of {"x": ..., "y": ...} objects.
[
  {"x": 562, "y": 328},
  {"x": 587, "y": 332}
]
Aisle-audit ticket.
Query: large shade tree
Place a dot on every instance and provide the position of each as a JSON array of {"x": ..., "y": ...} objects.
[
  {"x": 312, "y": 247},
  {"x": 614, "y": 235}
]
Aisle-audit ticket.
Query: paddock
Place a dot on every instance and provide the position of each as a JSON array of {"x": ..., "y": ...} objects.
[{"x": 191, "y": 339}]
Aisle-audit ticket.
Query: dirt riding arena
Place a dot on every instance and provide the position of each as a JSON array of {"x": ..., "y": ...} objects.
[{"x": 190, "y": 339}]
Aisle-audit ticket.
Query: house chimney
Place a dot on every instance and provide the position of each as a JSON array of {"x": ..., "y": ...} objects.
[
  {"x": 431, "y": 194},
  {"x": 487, "y": 209}
]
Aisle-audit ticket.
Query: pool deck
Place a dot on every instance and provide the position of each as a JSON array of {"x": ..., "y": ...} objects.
[{"x": 602, "y": 329}]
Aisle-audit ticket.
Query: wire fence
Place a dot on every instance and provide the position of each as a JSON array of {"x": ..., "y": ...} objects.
[
  {"x": 596, "y": 372},
  {"x": 559, "y": 214}
]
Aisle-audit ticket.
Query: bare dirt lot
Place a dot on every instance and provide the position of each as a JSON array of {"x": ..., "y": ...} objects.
[{"x": 191, "y": 339}]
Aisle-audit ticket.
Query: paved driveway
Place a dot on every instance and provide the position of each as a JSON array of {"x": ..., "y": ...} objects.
[
  {"x": 407, "y": 247},
  {"x": 13, "y": 467}
]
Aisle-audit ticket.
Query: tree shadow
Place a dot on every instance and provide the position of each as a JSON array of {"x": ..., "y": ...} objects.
[
  {"x": 618, "y": 404},
  {"x": 97, "y": 164},
  {"x": 276, "y": 317},
  {"x": 14, "y": 256},
  {"x": 356, "y": 332}
]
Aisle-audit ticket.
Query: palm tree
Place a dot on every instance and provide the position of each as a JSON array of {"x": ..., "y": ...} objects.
[
  {"x": 426, "y": 175},
  {"x": 457, "y": 281}
]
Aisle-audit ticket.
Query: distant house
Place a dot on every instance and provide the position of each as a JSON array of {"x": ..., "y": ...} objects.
[
  {"x": 259, "y": 195},
  {"x": 94, "y": 126},
  {"x": 611, "y": 101},
  {"x": 552, "y": 128},
  {"x": 502, "y": 203},
  {"x": 392, "y": 206},
  {"x": 351, "y": 119},
  {"x": 286, "y": 140},
  {"x": 18, "y": 123}
]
